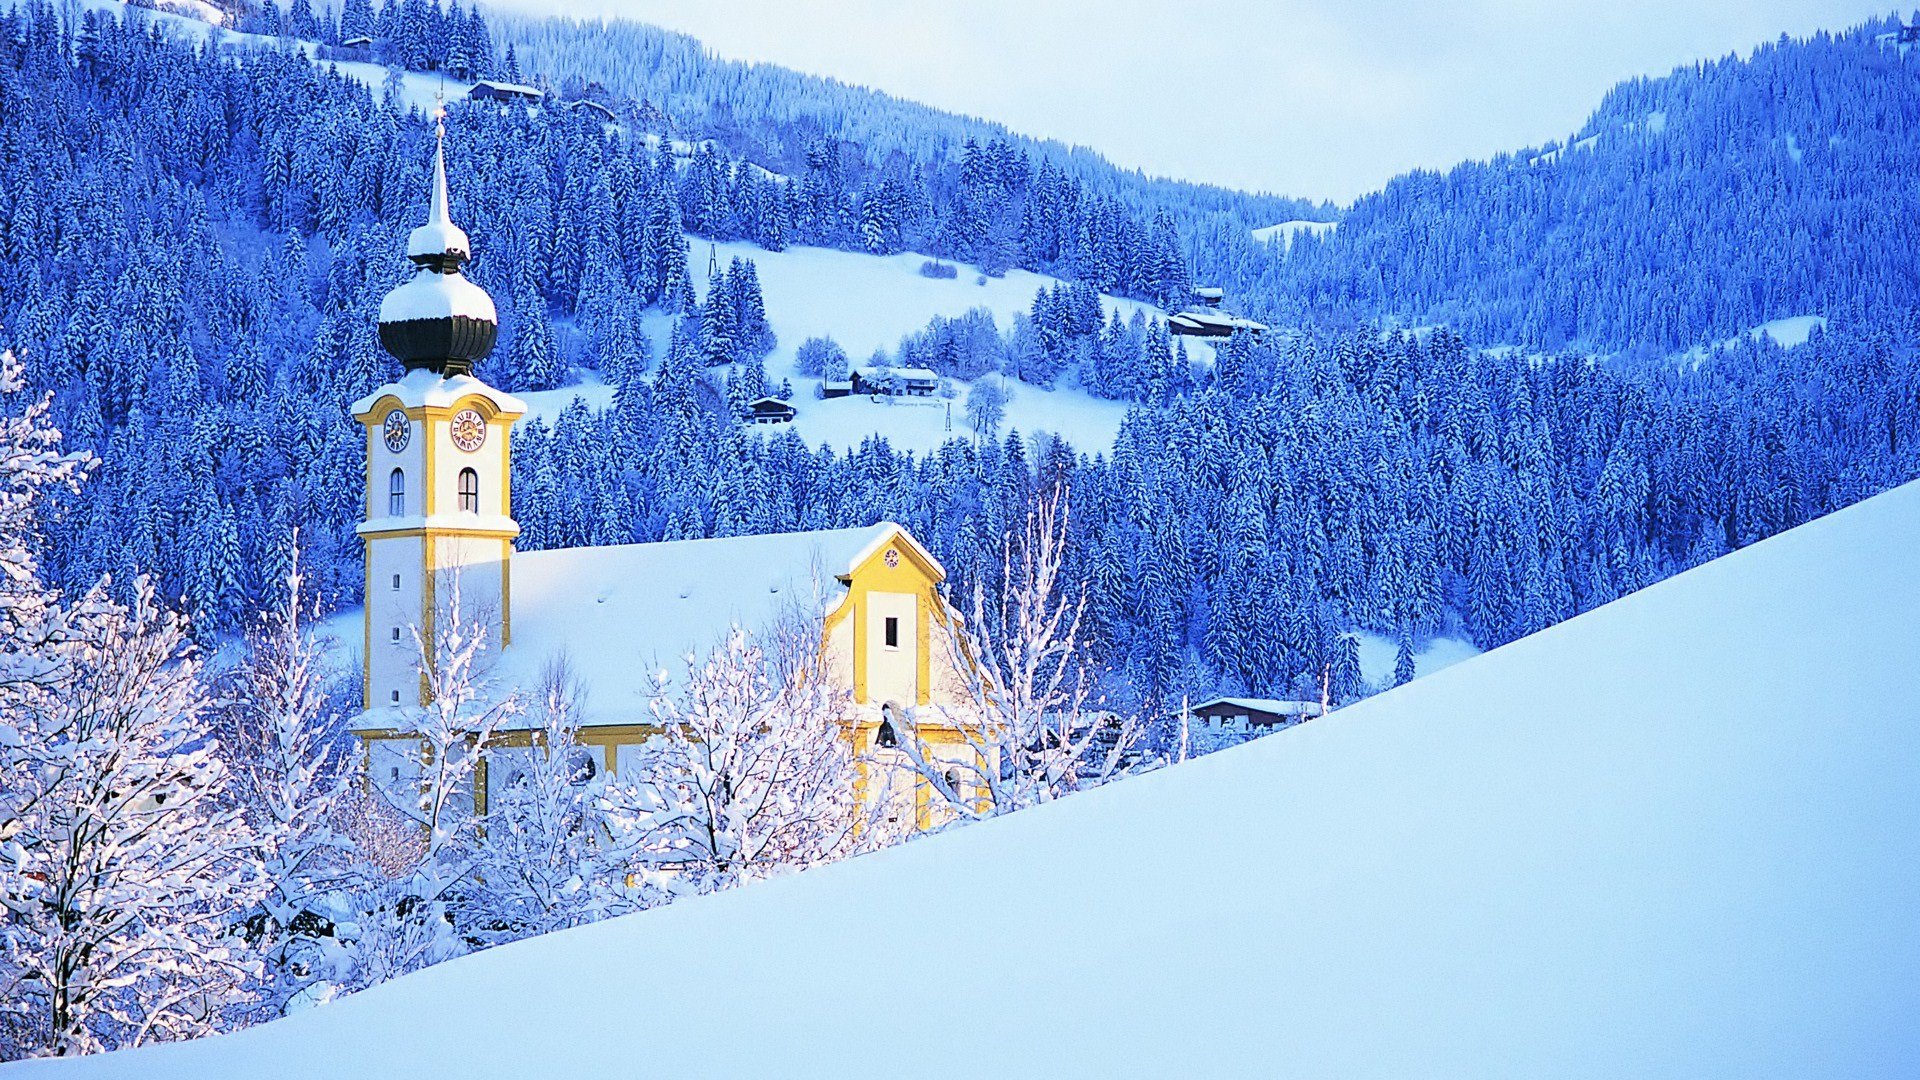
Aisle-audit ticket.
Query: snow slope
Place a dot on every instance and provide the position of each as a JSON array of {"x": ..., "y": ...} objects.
[
  {"x": 868, "y": 302},
  {"x": 1678, "y": 836},
  {"x": 1287, "y": 230}
]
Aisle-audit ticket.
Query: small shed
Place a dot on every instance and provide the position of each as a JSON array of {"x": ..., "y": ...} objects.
[
  {"x": 489, "y": 90},
  {"x": 1251, "y": 715},
  {"x": 593, "y": 106},
  {"x": 359, "y": 43},
  {"x": 771, "y": 410},
  {"x": 1210, "y": 295},
  {"x": 832, "y": 388}
]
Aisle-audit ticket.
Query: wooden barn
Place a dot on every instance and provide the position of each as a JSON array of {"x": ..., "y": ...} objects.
[
  {"x": 1210, "y": 295},
  {"x": 833, "y": 388},
  {"x": 1250, "y": 715},
  {"x": 506, "y": 92},
  {"x": 771, "y": 410}
]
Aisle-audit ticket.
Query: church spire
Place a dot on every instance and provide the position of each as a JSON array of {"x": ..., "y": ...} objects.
[{"x": 438, "y": 320}]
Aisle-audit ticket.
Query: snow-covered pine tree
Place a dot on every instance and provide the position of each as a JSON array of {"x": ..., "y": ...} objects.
[{"x": 281, "y": 737}]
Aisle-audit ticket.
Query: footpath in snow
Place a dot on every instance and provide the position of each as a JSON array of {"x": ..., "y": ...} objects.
[{"x": 1677, "y": 836}]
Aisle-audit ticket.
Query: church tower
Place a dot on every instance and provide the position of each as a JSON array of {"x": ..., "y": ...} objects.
[{"x": 439, "y": 519}]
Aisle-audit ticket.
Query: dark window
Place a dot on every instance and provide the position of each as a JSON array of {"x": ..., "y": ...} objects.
[
  {"x": 893, "y": 633},
  {"x": 397, "y": 493},
  {"x": 396, "y": 583},
  {"x": 469, "y": 491},
  {"x": 886, "y": 738}
]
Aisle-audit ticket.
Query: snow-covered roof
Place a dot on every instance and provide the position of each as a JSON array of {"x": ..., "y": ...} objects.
[
  {"x": 425, "y": 389},
  {"x": 622, "y": 614},
  {"x": 916, "y": 373},
  {"x": 433, "y": 295},
  {"x": 1265, "y": 705},
  {"x": 770, "y": 400},
  {"x": 1213, "y": 292},
  {"x": 507, "y": 88}
]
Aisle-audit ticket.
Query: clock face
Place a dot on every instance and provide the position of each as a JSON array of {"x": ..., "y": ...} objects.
[
  {"x": 893, "y": 558},
  {"x": 396, "y": 431},
  {"x": 469, "y": 431}
]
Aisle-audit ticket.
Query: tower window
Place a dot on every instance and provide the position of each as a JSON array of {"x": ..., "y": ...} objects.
[
  {"x": 396, "y": 635},
  {"x": 396, "y": 583},
  {"x": 469, "y": 491},
  {"x": 892, "y": 636},
  {"x": 396, "y": 701},
  {"x": 396, "y": 493}
]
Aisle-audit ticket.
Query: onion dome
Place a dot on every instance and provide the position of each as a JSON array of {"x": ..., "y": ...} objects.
[{"x": 438, "y": 320}]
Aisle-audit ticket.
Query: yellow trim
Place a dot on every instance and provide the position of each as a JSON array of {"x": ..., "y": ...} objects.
[
  {"x": 437, "y": 530},
  {"x": 428, "y": 478},
  {"x": 506, "y": 592}
]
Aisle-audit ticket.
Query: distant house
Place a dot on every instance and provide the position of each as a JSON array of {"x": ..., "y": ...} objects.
[
  {"x": 1211, "y": 324},
  {"x": 360, "y": 44},
  {"x": 1910, "y": 35},
  {"x": 771, "y": 410},
  {"x": 1248, "y": 716},
  {"x": 593, "y": 106},
  {"x": 832, "y": 388},
  {"x": 1210, "y": 295},
  {"x": 488, "y": 90},
  {"x": 911, "y": 381}
]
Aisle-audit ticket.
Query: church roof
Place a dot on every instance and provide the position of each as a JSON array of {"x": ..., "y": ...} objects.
[{"x": 622, "y": 614}]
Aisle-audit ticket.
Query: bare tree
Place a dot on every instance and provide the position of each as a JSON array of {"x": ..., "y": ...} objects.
[{"x": 1032, "y": 729}]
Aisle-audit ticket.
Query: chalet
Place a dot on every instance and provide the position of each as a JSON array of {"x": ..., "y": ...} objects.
[
  {"x": 770, "y": 410},
  {"x": 1249, "y": 716},
  {"x": 902, "y": 381},
  {"x": 488, "y": 90},
  {"x": 1211, "y": 324},
  {"x": 361, "y": 44},
  {"x": 584, "y": 105},
  {"x": 833, "y": 388},
  {"x": 1210, "y": 295}
]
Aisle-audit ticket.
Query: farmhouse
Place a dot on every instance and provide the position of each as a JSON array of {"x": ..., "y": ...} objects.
[
  {"x": 489, "y": 90},
  {"x": 906, "y": 381},
  {"x": 439, "y": 531},
  {"x": 1211, "y": 324}
]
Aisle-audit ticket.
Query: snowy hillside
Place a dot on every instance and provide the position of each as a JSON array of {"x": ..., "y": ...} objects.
[
  {"x": 869, "y": 302},
  {"x": 1676, "y": 836}
]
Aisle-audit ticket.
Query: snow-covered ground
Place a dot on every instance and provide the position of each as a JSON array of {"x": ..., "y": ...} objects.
[
  {"x": 1378, "y": 655},
  {"x": 1788, "y": 333},
  {"x": 1287, "y": 230},
  {"x": 1676, "y": 836},
  {"x": 868, "y": 302}
]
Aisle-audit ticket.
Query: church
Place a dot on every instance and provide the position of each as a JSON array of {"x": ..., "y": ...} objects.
[{"x": 439, "y": 531}]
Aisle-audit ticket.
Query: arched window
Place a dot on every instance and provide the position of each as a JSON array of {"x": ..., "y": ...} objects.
[
  {"x": 469, "y": 491},
  {"x": 886, "y": 738},
  {"x": 397, "y": 493}
]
